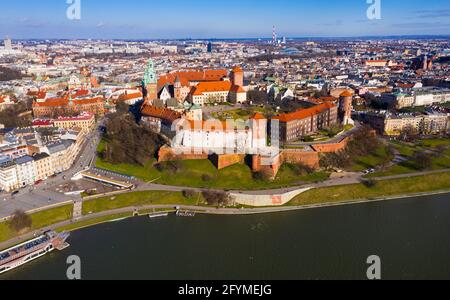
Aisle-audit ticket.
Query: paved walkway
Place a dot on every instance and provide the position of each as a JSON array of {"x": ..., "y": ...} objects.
[{"x": 77, "y": 210}]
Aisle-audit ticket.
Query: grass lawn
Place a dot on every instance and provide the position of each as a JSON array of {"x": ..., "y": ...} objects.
[
  {"x": 94, "y": 221},
  {"x": 442, "y": 161},
  {"x": 5, "y": 232},
  {"x": 238, "y": 176},
  {"x": 402, "y": 168},
  {"x": 395, "y": 187},
  {"x": 433, "y": 143},
  {"x": 135, "y": 199},
  {"x": 240, "y": 114},
  {"x": 409, "y": 166},
  {"x": 40, "y": 220},
  {"x": 404, "y": 149},
  {"x": 191, "y": 173},
  {"x": 141, "y": 172},
  {"x": 101, "y": 146},
  {"x": 380, "y": 156}
]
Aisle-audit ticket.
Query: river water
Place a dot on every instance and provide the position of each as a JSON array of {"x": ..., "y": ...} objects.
[{"x": 411, "y": 236}]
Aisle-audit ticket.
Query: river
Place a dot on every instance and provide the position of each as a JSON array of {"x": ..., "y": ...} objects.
[{"x": 411, "y": 236}]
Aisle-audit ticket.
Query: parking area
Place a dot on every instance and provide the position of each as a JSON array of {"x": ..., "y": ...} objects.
[{"x": 82, "y": 185}]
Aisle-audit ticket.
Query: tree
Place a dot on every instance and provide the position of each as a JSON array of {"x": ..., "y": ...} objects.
[
  {"x": 20, "y": 221},
  {"x": 369, "y": 183},
  {"x": 363, "y": 143},
  {"x": 409, "y": 133},
  {"x": 128, "y": 142},
  {"x": 189, "y": 194},
  {"x": 122, "y": 108},
  {"x": 217, "y": 198},
  {"x": 7, "y": 74},
  {"x": 13, "y": 116},
  {"x": 422, "y": 161},
  {"x": 301, "y": 169},
  {"x": 257, "y": 97}
]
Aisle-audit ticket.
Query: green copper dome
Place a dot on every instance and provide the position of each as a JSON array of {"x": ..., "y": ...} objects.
[{"x": 150, "y": 74}]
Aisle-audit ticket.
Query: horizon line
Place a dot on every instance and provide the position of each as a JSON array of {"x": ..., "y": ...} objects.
[{"x": 240, "y": 38}]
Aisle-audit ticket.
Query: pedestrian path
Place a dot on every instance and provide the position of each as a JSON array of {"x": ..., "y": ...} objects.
[{"x": 77, "y": 210}]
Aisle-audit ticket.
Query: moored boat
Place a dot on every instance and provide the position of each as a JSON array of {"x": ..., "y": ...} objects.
[
  {"x": 28, "y": 251},
  {"x": 158, "y": 215}
]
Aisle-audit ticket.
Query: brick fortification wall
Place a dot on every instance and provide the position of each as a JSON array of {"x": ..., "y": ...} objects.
[
  {"x": 227, "y": 160},
  {"x": 329, "y": 148},
  {"x": 308, "y": 158},
  {"x": 167, "y": 154},
  {"x": 220, "y": 161}
]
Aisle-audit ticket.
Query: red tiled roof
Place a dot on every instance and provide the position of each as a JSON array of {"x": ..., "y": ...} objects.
[
  {"x": 57, "y": 102},
  {"x": 258, "y": 116},
  {"x": 125, "y": 97},
  {"x": 237, "y": 89},
  {"x": 237, "y": 69},
  {"x": 211, "y": 86},
  {"x": 39, "y": 122},
  {"x": 304, "y": 113},
  {"x": 406, "y": 85},
  {"x": 52, "y": 102},
  {"x": 189, "y": 76},
  {"x": 346, "y": 93},
  {"x": 161, "y": 113},
  {"x": 41, "y": 95},
  {"x": 96, "y": 99},
  {"x": 80, "y": 93}
]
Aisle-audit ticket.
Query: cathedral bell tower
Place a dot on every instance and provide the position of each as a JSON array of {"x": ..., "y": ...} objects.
[
  {"x": 150, "y": 83},
  {"x": 177, "y": 89},
  {"x": 237, "y": 76}
]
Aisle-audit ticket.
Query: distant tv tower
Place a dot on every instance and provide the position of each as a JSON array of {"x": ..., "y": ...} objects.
[{"x": 274, "y": 36}]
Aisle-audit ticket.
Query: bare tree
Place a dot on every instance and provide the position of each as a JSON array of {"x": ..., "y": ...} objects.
[{"x": 20, "y": 221}]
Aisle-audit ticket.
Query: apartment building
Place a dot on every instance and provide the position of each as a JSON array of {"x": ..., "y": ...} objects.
[
  {"x": 8, "y": 176},
  {"x": 397, "y": 100},
  {"x": 62, "y": 155},
  {"x": 393, "y": 125},
  {"x": 26, "y": 172},
  {"x": 43, "y": 166},
  {"x": 85, "y": 122}
]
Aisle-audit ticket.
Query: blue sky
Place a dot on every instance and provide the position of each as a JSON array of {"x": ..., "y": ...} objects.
[{"x": 148, "y": 19}]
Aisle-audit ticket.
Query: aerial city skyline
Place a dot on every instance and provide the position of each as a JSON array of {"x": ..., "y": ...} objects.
[
  {"x": 202, "y": 19},
  {"x": 238, "y": 140}
]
